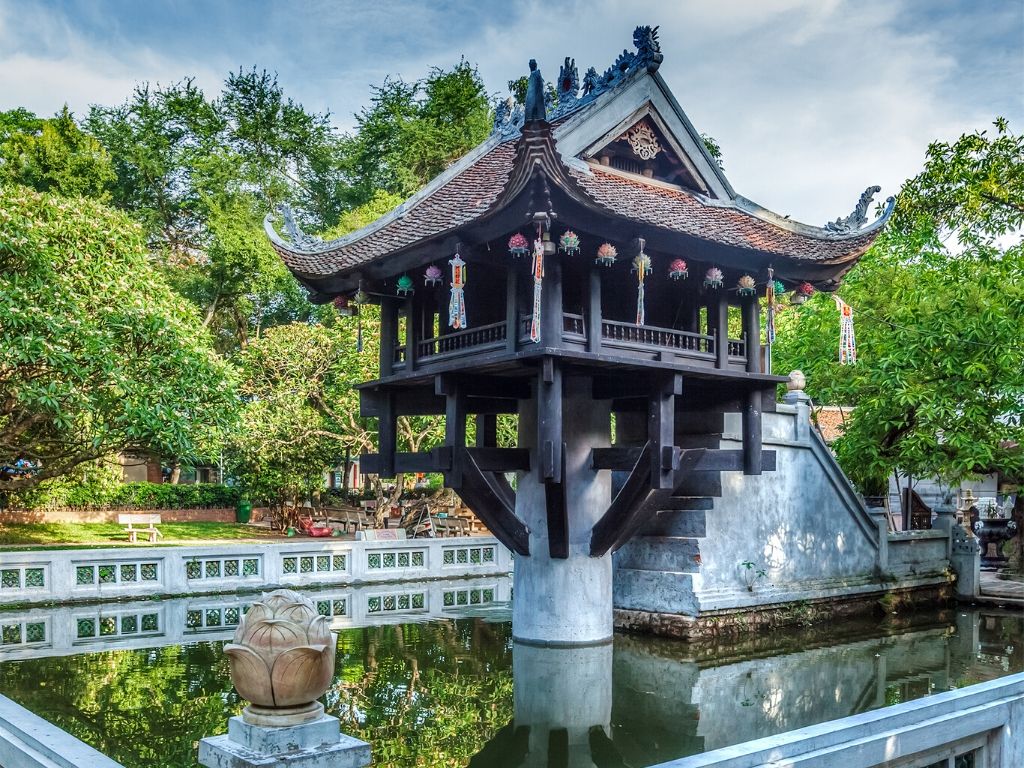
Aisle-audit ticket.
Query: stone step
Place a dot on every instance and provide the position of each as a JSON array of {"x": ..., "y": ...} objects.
[
  {"x": 657, "y": 591},
  {"x": 691, "y": 523},
  {"x": 700, "y": 484},
  {"x": 679, "y": 554}
]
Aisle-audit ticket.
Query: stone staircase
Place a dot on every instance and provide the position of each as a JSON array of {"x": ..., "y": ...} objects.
[{"x": 656, "y": 569}]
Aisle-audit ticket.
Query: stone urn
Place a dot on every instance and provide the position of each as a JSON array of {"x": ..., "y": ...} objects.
[{"x": 282, "y": 660}]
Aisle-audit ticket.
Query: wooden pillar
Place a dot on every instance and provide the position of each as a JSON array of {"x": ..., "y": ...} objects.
[
  {"x": 512, "y": 308},
  {"x": 594, "y": 314},
  {"x": 388, "y": 335},
  {"x": 752, "y": 433},
  {"x": 549, "y": 421},
  {"x": 387, "y": 435},
  {"x": 486, "y": 430},
  {"x": 551, "y": 303},
  {"x": 661, "y": 427},
  {"x": 752, "y": 333},
  {"x": 454, "y": 430},
  {"x": 718, "y": 324}
]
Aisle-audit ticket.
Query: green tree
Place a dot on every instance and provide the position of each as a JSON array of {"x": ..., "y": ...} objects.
[
  {"x": 53, "y": 155},
  {"x": 413, "y": 131},
  {"x": 97, "y": 354},
  {"x": 939, "y": 311}
]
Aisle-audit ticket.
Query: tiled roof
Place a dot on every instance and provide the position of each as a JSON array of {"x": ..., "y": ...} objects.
[
  {"x": 680, "y": 211},
  {"x": 461, "y": 199},
  {"x": 831, "y": 420},
  {"x": 471, "y": 192}
]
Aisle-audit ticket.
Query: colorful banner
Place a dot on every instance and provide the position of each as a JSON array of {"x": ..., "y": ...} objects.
[{"x": 847, "y": 340}]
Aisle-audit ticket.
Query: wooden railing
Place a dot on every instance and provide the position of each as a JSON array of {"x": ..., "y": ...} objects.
[
  {"x": 661, "y": 338},
  {"x": 492, "y": 335},
  {"x": 573, "y": 325},
  {"x": 737, "y": 348}
]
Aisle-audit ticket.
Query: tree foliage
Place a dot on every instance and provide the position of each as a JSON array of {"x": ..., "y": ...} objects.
[
  {"x": 413, "y": 130},
  {"x": 97, "y": 354},
  {"x": 939, "y": 311},
  {"x": 53, "y": 155}
]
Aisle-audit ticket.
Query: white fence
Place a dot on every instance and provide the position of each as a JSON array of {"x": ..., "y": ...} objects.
[
  {"x": 981, "y": 726},
  {"x": 126, "y": 572}
]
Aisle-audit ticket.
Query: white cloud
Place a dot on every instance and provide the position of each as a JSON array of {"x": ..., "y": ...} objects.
[{"x": 811, "y": 100}]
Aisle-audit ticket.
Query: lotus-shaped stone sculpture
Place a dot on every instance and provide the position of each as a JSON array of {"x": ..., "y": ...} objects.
[{"x": 282, "y": 659}]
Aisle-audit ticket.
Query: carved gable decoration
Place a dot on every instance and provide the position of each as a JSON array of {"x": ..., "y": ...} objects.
[
  {"x": 643, "y": 140},
  {"x": 645, "y": 149}
]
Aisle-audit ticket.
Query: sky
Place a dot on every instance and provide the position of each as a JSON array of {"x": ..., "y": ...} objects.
[{"x": 810, "y": 100}]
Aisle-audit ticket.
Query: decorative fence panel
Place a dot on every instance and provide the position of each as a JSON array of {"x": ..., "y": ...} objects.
[{"x": 141, "y": 571}]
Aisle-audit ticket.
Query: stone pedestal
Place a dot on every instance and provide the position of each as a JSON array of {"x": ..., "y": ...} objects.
[
  {"x": 565, "y": 601},
  {"x": 317, "y": 744},
  {"x": 965, "y": 560}
]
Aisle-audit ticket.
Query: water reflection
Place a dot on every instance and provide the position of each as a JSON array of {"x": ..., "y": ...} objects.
[{"x": 434, "y": 686}]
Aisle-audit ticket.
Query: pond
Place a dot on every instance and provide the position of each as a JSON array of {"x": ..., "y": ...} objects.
[{"x": 439, "y": 689}]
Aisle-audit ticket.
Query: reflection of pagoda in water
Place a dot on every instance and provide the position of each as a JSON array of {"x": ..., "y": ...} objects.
[{"x": 581, "y": 267}]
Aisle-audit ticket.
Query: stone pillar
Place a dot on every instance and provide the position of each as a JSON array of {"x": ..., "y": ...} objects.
[
  {"x": 565, "y": 601},
  {"x": 965, "y": 560}
]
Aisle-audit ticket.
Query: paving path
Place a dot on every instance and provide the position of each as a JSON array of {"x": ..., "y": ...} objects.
[{"x": 996, "y": 590}]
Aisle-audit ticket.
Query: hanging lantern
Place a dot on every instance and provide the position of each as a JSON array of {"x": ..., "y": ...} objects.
[
  {"x": 341, "y": 303},
  {"x": 569, "y": 242},
  {"x": 432, "y": 276},
  {"x": 642, "y": 266},
  {"x": 457, "y": 303},
  {"x": 802, "y": 293},
  {"x": 778, "y": 287},
  {"x": 361, "y": 297},
  {"x": 606, "y": 255},
  {"x": 746, "y": 285},
  {"x": 713, "y": 278},
  {"x": 517, "y": 245},
  {"x": 405, "y": 286},
  {"x": 677, "y": 270}
]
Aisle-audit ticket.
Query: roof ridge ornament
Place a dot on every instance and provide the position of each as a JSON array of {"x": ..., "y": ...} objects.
[
  {"x": 295, "y": 234},
  {"x": 648, "y": 56},
  {"x": 536, "y": 106},
  {"x": 858, "y": 218}
]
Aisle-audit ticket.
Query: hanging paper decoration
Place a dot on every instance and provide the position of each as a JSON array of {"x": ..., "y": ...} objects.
[
  {"x": 518, "y": 246},
  {"x": 847, "y": 341},
  {"x": 777, "y": 286},
  {"x": 405, "y": 286},
  {"x": 802, "y": 292},
  {"x": 642, "y": 266},
  {"x": 606, "y": 255},
  {"x": 457, "y": 304},
  {"x": 677, "y": 270},
  {"x": 746, "y": 285},
  {"x": 538, "y": 281},
  {"x": 569, "y": 242},
  {"x": 713, "y": 278},
  {"x": 432, "y": 276}
]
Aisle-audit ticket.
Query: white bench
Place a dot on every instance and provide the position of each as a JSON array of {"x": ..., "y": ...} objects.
[{"x": 150, "y": 522}]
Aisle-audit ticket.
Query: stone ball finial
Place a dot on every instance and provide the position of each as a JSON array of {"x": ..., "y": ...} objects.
[
  {"x": 282, "y": 660},
  {"x": 797, "y": 381}
]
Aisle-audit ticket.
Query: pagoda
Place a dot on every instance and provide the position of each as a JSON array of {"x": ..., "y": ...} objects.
[{"x": 589, "y": 268}]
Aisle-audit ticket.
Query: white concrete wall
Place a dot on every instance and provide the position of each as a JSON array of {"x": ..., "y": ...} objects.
[
  {"x": 987, "y": 717},
  {"x": 75, "y": 575},
  {"x": 28, "y": 741}
]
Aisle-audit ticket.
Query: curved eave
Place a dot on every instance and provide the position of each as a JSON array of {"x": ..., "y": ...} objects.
[{"x": 497, "y": 173}]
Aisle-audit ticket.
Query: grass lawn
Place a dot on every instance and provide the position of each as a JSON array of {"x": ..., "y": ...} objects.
[{"x": 45, "y": 535}]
